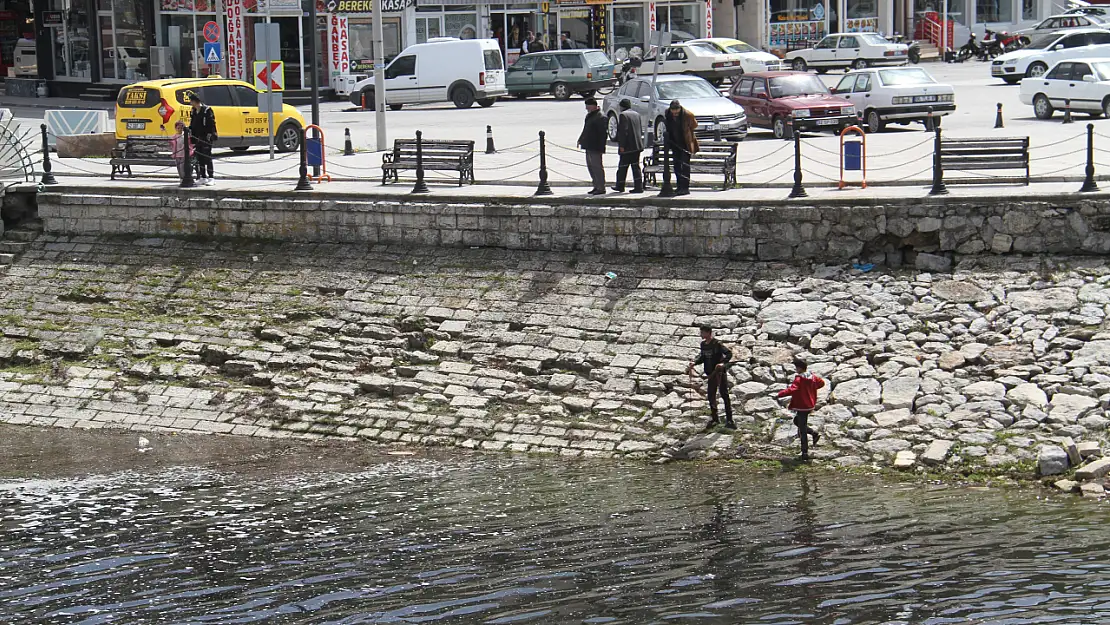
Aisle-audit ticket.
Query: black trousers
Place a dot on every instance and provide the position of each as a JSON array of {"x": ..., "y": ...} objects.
[
  {"x": 682, "y": 168},
  {"x": 630, "y": 159},
  {"x": 718, "y": 383},
  {"x": 801, "y": 420},
  {"x": 203, "y": 155}
]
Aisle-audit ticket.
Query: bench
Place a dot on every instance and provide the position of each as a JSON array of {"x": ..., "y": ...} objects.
[
  {"x": 438, "y": 155},
  {"x": 154, "y": 151},
  {"x": 713, "y": 157},
  {"x": 985, "y": 154}
]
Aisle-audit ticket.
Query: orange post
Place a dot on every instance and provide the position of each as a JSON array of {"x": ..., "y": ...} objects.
[
  {"x": 323, "y": 154},
  {"x": 862, "y": 156}
]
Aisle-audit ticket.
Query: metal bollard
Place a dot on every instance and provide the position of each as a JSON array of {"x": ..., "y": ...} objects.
[
  {"x": 998, "y": 116},
  {"x": 420, "y": 186},
  {"x": 717, "y": 129},
  {"x": 489, "y": 141},
  {"x": 47, "y": 174},
  {"x": 543, "y": 188},
  {"x": 929, "y": 120},
  {"x": 667, "y": 190},
  {"x": 303, "y": 184},
  {"x": 938, "y": 168},
  {"x": 1067, "y": 112},
  {"x": 187, "y": 163},
  {"x": 1089, "y": 183},
  {"x": 348, "y": 147},
  {"x": 798, "y": 190}
]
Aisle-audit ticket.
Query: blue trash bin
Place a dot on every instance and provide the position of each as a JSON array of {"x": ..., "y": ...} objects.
[
  {"x": 314, "y": 147},
  {"x": 853, "y": 155}
]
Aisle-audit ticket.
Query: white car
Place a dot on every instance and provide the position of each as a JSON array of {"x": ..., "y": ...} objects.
[
  {"x": 443, "y": 69},
  {"x": 1083, "y": 82},
  {"x": 1048, "y": 49},
  {"x": 715, "y": 113},
  {"x": 752, "y": 59},
  {"x": 1062, "y": 22},
  {"x": 897, "y": 94},
  {"x": 854, "y": 50},
  {"x": 699, "y": 59}
]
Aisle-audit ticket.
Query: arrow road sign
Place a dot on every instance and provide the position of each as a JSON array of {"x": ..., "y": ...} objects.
[
  {"x": 212, "y": 53},
  {"x": 272, "y": 77},
  {"x": 211, "y": 32}
]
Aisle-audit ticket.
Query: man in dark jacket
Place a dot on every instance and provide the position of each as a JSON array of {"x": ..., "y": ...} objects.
[
  {"x": 630, "y": 143},
  {"x": 595, "y": 132},
  {"x": 202, "y": 128},
  {"x": 714, "y": 357},
  {"x": 565, "y": 42},
  {"x": 682, "y": 142}
]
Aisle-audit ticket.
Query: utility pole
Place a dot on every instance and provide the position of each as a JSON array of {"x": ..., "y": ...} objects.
[
  {"x": 379, "y": 75},
  {"x": 314, "y": 75}
]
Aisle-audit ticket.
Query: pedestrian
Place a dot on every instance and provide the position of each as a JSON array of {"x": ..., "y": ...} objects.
[
  {"x": 565, "y": 42},
  {"x": 202, "y": 127},
  {"x": 714, "y": 358},
  {"x": 681, "y": 141},
  {"x": 526, "y": 45},
  {"x": 630, "y": 143},
  {"x": 595, "y": 133},
  {"x": 537, "y": 45},
  {"x": 177, "y": 147},
  {"x": 803, "y": 399}
]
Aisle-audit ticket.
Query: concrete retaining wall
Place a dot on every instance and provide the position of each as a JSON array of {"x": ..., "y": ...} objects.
[{"x": 891, "y": 231}]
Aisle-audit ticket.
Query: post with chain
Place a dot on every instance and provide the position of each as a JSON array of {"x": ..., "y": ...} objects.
[
  {"x": 667, "y": 190},
  {"x": 348, "y": 147},
  {"x": 938, "y": 167},
  {"x": 47, "y": 173},
  {"x": 1067, "y": 112},
  {"x": 543, "y": 188},
  {"x": 998, "y": 116},
  {"x": 489, "y": 141},
  {"x": 717, "y": 129},
  {"x": 302, "y": 183},
  {"x": 187, "y": 159},
  {"x": 798, "y": 190},
  {"x": 420, "y": 186},
  {"x": 1089, "y": 183}
]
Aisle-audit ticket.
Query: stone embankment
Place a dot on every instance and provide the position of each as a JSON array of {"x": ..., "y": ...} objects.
[{"x": 989, "y": 368}]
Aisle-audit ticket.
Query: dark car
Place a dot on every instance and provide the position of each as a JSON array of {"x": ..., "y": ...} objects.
[
  {"x": 788, "y": 101},
  {"x": 560, "y": 73}
]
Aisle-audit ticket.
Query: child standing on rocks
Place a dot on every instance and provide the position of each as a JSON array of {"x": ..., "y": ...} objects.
[
  {"x": 714, "y": 358},
  {"x": 803, "y": 399}
]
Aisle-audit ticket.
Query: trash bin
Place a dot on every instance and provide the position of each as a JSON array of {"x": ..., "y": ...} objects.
[{"x": 853, "y": 155}]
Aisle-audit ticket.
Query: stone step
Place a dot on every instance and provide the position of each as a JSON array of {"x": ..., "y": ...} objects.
[
  {"x": 7, "y": 259},
  {"x": 22, "y": 235},
  {"x": 13, "y": 247}
]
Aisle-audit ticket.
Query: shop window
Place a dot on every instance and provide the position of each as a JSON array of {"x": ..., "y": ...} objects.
[
  {"x": 461, "y": 25},
  {"x": 1028, "y": 9},
  {"x": 994, "y": 11},
  {"x": 628, "y": 32},
  {"x": 680, "y": 19},
  {"x": 70, "y": 40}
]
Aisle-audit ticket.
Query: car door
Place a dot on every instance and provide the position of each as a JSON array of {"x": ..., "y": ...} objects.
[
  {"x": 863, "y": 92},
  {"x": 1055, "y": 84},
  {"x": 229, "y": 121},
  {"x": 761, "y": 101},
  {"x": 256, "y": 125},
  {"x": 847, "y": 50},
  {"x": 1083, "y": 94},
  {"x": 741, "y": 93},
  {"x": 846, "y": 88},
  {"x": 824, "y": 53},
  {"x": 676, "y": 61},
  {"x": 546, "y": 73},
  {"x": 402, "y": 84},
  {"x": 519, "y": 77}
]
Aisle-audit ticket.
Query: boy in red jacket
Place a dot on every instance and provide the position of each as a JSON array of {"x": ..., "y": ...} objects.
[{"x": 803, "y": 398}]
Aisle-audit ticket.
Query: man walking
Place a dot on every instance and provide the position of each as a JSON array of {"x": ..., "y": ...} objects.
[
  {"x": 630, "y": 143},
  {"x": 682, "y": 143},
  {"x": 202, "y": 128},
  {"x": 565, "y": 42},
  {"x": 803, "y": 398},
  {"x": 593, "y": 138},
  {"x": 713, "y": 358}
]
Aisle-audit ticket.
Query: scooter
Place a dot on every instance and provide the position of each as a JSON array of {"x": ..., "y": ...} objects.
[
  {"x": 969, "y": 50},
  {"x": 914, "y": 52}
]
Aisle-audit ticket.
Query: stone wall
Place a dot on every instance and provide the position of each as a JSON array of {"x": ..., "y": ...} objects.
[{"x": 925, "y": 232}]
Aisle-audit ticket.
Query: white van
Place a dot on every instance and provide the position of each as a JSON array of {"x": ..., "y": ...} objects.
[{"x": 444, "y": 69}]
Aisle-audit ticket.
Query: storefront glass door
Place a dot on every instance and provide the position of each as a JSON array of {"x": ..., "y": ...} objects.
[
  {"x": 124, "y": 51},
  {"x": 428, "y": 28},
  {"x": 509, "y": 29},
  {"x": 69, "y": 41}
]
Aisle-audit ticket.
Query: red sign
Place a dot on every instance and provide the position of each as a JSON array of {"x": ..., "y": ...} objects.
[
  {"x": 272, "y": 77},
  {"x": 211, "y": 32},
  {"x": 338, "y": 38},
  {"x": 236, "y": 61}
]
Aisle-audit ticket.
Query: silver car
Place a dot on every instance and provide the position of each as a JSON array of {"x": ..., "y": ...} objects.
[{"x": 712, "y": 110}]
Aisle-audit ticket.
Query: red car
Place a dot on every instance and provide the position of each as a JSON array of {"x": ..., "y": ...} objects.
[{"x": 772, "y": 99}]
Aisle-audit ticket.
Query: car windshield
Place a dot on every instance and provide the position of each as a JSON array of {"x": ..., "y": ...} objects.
[
  {"x": 597, "y": 58},
  {"x": 905, "y": 77},
  {"x": 875, "y": 40},
  {"x": 1042, "y": 42},
  {"x": 802, "y": 84},
  {"x": 678, "y": 89},
  {"x": 740, "y": 46}
]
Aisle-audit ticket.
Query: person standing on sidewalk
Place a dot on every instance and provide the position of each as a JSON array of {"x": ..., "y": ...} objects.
[
  {"x": 595, "y": 133},
  {"x": 681, "y": 142},
  {"x": 714, "y": 358},
  {"x": 202, "y": 127},
  {"x": 630, "y": 143},
  {"x": 803, "y": 399}
]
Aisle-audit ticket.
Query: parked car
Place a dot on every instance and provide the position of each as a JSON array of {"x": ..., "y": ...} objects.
[
  {"x": 1064, "y": 22},
  {"x": 752, "y": 59},
  {"x": 560, "y": 73},
  {"x": 700, "y": 59},
  {"x": 152, "y": 108},
  {"x": 848, "y": 50},
  {"x": 791, "y": 101},
  {"x": 1086, "y": 11},
  {"x": 1048, "y": 49},
  {"x": 713, "y": 111},
  {"x": 444, "y": 69},
  {"x": 1085, "y": 82},
  {"x": 897, "y": 94}
]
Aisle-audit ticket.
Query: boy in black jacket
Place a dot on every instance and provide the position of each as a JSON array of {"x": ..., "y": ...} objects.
[
  {"x": 202, "y": 127},
  {"x": 714, "y": 357}
]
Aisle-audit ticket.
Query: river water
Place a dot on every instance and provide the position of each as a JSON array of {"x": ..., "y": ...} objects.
[{"x": 499, "y": 539}]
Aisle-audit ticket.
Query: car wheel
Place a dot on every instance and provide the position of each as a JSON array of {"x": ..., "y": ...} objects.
[
  {"x": 1106, "y": 107},
  {"x": 486, "y": 102},
  {"x": 914, "y": 55},
  {"x": 612, "y": 127},
  {"x": 240, "y": 148},
  {"x": 588, "y": 94},
  {"x": 395, "y": 107},
  {"x": 561, "y": 91},
  {"x": 462, "y": 97},
  {"x": 289, "y": 137},
  {"x": 1042, "y": 108},
  {"x": 660, "y": 130},
  {"x": 822, "y": 70},
  {"x": 799, "y": 65},
  {"x": 875, "y": 123},
  {"x": 368, "y": 100},
  {"x": 1011, "y": 80},
  {"x": 781, "y": 129},
  {"x": 1036, "y": 70},
  {"x": 859, "y": 64}
]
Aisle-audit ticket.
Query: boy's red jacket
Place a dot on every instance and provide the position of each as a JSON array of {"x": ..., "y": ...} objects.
[{"x": 803, "y": 391}]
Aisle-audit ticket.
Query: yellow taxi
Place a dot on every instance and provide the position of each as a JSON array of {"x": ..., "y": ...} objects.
[{"x": 152, "y": 108}]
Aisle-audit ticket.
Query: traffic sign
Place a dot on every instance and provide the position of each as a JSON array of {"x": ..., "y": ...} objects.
[
  {"x": 270, "y": 103},
  {"x": 212, "y": 53},
  {"x": 272, "y": 77},
  {"x": 211, "y": 32}
]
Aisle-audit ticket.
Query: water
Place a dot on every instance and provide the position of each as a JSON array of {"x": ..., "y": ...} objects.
[{"x": 495, "y": 539}]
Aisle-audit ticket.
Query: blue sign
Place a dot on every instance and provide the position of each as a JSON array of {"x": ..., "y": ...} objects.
[
  {"x": 212, "y": 53},
  {"x": 818, "y": 11}
]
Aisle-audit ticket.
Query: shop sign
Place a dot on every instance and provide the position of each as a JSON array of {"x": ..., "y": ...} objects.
[
  {"x": 280, "y": 7},
  {"x": 338, "y": 41},
  {"x": 818, "y": 11},
  {"x": 52, "y": 19},
  {"x": 786, "y": 34},
  {"x": 862, "y": 25},
  {"x": 599, "y": 22},
  {"x": 708, "y": 18},
  {"x": 651, "y": 17},
  {"x": 236, "y": 63},
  {"x": 367, "y": 6}
]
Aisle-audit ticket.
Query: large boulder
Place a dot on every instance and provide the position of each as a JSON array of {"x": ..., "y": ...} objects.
[
  {"x": 959, "y": 291},
  {"x": 1067, "y": 408},
  {"x": 98, "y": 145},
  {"x": 792, "y": 312},
  {"x": 900, "y": 392},
  {"x": 1043, "y": 301},
  {"x": 858, "y": 392},
  {"x": 1052, "y": 460},
  {"x": 1028, "y": 394}
]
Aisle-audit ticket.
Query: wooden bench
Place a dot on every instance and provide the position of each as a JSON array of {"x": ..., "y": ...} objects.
[
  {"x": 985, "y": 154},
  {"x": 153, "y": 151},
  {"x": 713, "y": 157},
  {"x": 438, "y": 155}
]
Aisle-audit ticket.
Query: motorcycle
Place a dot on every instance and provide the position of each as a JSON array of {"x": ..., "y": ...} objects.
[
  {"x": 992, "y": 45},
  {"x": 629, "y": 68},
  {"x": 969, "y": 50},
  {"x": 914, "y": 51}
]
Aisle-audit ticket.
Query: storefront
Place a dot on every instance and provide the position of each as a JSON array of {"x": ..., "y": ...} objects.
[
  {"x": 64, "y": 41},
  {"x": 16, "y": 22},
  {"x": 180, "y": 30}
]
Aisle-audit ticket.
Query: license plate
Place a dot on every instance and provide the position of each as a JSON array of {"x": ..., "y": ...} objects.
[
  {"x": 136, "y": 125},
  {"x": 828, "y": 122},
  {"x": 924, "y": 98}
]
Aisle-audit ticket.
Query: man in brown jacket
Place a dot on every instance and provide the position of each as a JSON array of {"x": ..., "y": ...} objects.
[{"x": 681, "y": 142}]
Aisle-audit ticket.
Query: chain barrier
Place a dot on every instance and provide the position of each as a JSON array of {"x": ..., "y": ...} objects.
[{"x": 1082, "y": 135}]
